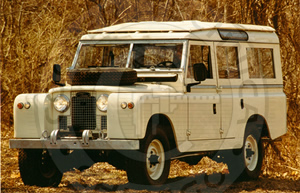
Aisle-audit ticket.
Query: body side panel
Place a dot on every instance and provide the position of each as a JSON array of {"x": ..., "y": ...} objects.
[{"x": 30, "y": 123}]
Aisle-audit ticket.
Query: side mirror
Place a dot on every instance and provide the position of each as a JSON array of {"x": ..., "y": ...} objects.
[
  {"x": 57, "y": 74},
  {"x": 200, "y": 72}
]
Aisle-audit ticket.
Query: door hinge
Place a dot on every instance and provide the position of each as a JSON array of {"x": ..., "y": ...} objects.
[
  {"x": 221, "y": 131},
  {"x": 219, "y": 89},
  {"x": 188, "y": 133}
]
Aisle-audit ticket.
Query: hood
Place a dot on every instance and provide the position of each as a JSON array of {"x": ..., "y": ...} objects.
[{"x": 136, "y": 88}]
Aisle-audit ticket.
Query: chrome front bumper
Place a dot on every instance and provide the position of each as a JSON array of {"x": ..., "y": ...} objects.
[
  {"x": 85, "y": 142},
  {"x": 98, "y": 144}
]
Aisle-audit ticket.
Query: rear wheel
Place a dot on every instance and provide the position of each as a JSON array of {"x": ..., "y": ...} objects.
[
  {"x": 151, "y": 164},
  {"x": 37, "y": 168},
  {"x": 252, "y": 155},
  {"x": 246, "y": 163}
]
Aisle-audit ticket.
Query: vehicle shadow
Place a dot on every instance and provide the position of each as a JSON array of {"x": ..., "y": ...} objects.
[{"x": 199, "y": 183}]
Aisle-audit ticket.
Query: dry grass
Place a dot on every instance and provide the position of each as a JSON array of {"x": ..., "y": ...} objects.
[{"x": 37, "y": 34}]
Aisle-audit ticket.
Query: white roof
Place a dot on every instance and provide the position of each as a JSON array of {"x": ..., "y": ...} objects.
[
  {"x": 179, "y": 30},
  {"x": 178, "y": 26}
]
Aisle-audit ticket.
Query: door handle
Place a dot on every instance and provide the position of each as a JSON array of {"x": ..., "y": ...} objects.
[
  {"x": 242, "y": 104},
  {"x": 215, "y": 108}
]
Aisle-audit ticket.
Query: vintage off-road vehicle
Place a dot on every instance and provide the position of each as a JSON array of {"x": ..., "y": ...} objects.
[{"x": 141, "y": 94}]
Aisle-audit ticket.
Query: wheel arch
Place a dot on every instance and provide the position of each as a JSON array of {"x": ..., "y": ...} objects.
[
  {"x": 163, "y": 120},
  {"x": 259, "y": 122}
]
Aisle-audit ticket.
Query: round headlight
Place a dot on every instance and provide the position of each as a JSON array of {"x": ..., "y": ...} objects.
[
  {"x": 102, "y": 102},
  {"x": 61, "y": 103}
]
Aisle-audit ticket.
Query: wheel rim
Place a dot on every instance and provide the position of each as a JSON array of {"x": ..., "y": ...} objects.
[
  {"x": 251, "y": 153},
  {"x": 155, "y": 159}
]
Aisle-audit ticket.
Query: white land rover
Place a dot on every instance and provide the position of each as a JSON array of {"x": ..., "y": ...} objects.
[{"x": 141, "y": 94}]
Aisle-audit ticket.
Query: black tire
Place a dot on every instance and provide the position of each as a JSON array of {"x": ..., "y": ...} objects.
[
  {"x": 246, "y": 163},
  {"x": 37, "y": 168},
  {"x": 103, "y": 76},
  {"x": 153, "y": 169}
]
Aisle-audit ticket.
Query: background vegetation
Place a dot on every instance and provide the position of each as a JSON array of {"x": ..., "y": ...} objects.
[{"x": 35, "y": 34}]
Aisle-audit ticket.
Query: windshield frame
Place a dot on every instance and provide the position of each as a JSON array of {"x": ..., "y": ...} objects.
[{"x": 131, "y": 43}]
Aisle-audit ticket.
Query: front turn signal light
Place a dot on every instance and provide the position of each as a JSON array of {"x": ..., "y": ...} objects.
[
  {"x": 27, "y": 105},
  {"x": 123, "y": 105},
  {"x": 20, "y": 105},
  {"x": 130, "y": 105}
]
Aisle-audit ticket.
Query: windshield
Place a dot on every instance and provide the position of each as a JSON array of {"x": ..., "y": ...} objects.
[
  {"x": 96, "y": 55},
  {"x": 130, "y": 55}
]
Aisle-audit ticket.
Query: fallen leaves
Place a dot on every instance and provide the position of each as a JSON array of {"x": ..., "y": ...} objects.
[{"x": 205, "y": 166}]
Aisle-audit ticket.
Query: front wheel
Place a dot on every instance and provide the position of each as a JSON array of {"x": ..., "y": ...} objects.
[
  {"x": 37, "y": 168},
  {"x": 151, "y": 164}
]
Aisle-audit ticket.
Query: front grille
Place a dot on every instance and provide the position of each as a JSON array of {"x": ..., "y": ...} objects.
[
  {"x": 83, "y": 111},
  {"x": 63, "y": 122},
  {"x": 83, "y": 116},
  {"x": 103, "y": 123}
]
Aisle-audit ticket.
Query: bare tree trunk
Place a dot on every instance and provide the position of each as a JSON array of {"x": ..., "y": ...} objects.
[
  {"x": 225, "y": 11},
  {"x": 166, "y": 10}
]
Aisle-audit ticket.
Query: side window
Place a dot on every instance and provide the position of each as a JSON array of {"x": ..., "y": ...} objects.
[
  {"x": 260, "y": 63},
  {"x": 228, "y": 63},
  {"x": 199, "y": 54}
]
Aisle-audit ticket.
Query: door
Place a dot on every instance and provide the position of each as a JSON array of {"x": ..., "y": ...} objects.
[
  {"x": 229, "y": 80},
  {"x": 203, "y": 100}
]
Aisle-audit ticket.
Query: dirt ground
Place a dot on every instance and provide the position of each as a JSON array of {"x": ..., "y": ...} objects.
[{"x": 102, "y": 177}]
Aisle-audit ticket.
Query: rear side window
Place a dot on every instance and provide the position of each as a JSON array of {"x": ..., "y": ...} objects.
[
  {"x": 228, "y": 63},
  {"x": 260, "y": 63}
]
